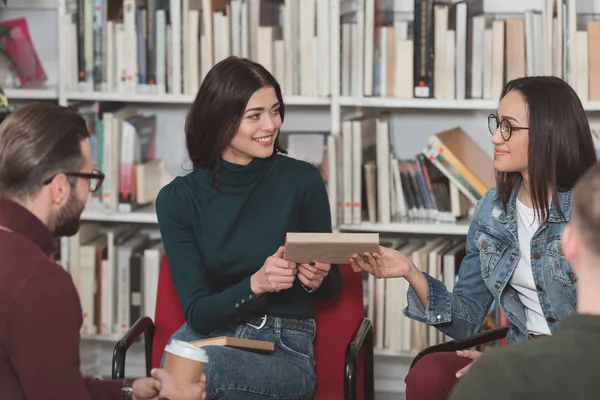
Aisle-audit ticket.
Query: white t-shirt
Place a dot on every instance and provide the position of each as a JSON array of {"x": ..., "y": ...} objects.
[{"x": 522, "y": 278}]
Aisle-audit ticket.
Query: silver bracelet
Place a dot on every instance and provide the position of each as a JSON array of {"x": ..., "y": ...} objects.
[{"x": 309, "y": 290}]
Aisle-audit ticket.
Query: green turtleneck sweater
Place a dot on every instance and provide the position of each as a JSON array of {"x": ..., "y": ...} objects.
[{"x": 215, "y": 241}]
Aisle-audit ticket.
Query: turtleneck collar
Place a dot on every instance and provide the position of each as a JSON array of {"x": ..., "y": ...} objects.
[{"x": 239, "y": 178}]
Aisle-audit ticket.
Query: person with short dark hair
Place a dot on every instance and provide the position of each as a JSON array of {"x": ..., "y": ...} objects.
[
  {"x": 223, "y": 226},
  {"x": 46, "y": 175},
  {"x": 566, "y": 365},
  {"x": 542, "y": 145}
]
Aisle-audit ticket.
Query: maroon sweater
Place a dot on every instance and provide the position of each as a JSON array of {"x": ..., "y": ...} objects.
[{"x": 40, "y": 317}]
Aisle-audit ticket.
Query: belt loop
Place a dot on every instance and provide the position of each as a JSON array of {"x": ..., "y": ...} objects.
[
  {"x": 277, "y": 324},
  {"x": 262, "y": 324}
]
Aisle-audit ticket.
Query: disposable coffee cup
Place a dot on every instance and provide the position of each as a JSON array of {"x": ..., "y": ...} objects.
[{"x": 184, "y": 361}]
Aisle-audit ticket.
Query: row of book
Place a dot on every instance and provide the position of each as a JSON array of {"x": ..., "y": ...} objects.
[
  {"x": 115, "y": 271},
  {"x": 123, "y": 143},
  {"x": 440, "y": 184},
  {"x": 466, "y": 49},
  {"x": 168, "y": 46}
]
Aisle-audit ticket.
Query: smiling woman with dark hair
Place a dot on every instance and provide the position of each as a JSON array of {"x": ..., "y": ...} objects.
[
  {"x": 542, "y": 145},
  {"x": 223, "y": 227}
]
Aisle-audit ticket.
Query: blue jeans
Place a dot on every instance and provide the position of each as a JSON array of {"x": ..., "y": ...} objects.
[{"x": 285, "y": 374}]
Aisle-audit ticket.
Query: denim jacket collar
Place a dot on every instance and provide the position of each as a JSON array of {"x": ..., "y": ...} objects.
[{"x": 564, "y": 200}]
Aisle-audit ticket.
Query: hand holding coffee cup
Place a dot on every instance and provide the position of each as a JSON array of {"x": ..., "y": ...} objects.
[{"x": 184, "y": 361}]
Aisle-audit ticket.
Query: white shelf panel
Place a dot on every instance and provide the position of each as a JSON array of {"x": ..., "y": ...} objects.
[
  {"x": 136, "y": 217},
  {"x": 101, "y": 338},
  {"x": 383, "y": 102},
  {"x": 592, "y": 105},
  {"x": 418, "y": 227},
  {"x": 177, "y": 98},
  {"x": 380, "y": 352},
  {"x": 434, "y": 104},
  {"x": 47, "y": 93}
]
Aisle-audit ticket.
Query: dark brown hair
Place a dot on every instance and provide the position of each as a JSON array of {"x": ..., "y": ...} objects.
[
  {"x": 586, "y": 207},
  {"x": 38, "y": 141},
  {"x": 216, "y": 113},
  {"x": 561, "y": 148}
]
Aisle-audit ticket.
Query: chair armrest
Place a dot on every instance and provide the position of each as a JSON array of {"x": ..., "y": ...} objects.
[
  {"x": 144, "y": 326},
  {"x": 363, "y": 338},
  {"x": 479, "y": 338}
]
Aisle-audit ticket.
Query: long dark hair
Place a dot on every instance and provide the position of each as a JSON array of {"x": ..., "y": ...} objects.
[
  {"x": 561, "y": 148},
  {"x": 216, "y": 113}
]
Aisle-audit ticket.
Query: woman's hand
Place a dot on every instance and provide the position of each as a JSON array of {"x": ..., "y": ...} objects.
[
  {"x": 312, "y": 274},
  {"x": 471, "y": 354},
  {"x": 275, "y": 275},
  {"x": 386, "y": 263}
]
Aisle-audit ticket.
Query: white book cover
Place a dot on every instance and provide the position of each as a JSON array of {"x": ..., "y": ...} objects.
[
  {"x": 357, "y": 163},
  {"x": 175, "y": 45},
  {"x": 488, "y": 40},
  {"x": 461, "y": 50},
  {"x": 161, "y": 51},
  {"x": 440, "y": 79},
  {"x": 369, "y": 45},
  {"x": 150, "y": 273},
  {"x": 383, "y": 170},
  {"x": 347, "y": 170}
]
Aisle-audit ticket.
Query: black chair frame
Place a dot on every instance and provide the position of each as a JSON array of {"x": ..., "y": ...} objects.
[
  {"x": 362, "y": 339},
  {"x": 478, "y": 339}
]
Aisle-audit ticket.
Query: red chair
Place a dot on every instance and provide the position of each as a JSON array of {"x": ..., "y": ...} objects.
[{"x": 344, "y": 337}]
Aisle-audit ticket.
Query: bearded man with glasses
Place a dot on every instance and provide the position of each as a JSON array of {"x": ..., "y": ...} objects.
[{"x": 46, "y": 175}]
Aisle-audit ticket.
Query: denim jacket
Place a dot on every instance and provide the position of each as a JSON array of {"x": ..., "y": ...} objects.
[{"x": 492, "y": 253}]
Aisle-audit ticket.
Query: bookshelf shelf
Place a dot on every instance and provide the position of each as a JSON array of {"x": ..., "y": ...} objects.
[
  {"x": 393, "y": 353},
  {"x": 101, "y": 338},
  {"x": 186, "y": 99},
  {"x": 428, "y": 104},
  {"x": 418, "y": 227},
  {"x": 45, "y": 93},
  {"x": 136, "y": 217},
  {"x": 592, "y": 105},
  {"x": 433, "y": 104}
]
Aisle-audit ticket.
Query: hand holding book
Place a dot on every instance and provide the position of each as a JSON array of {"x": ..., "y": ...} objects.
[
  {"x": 385, "y": 263},
  {"x": 275, "y": 275},
  {"x": 311, "y": 275}
]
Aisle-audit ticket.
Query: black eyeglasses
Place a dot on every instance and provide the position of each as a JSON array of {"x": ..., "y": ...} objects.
[
  {"x": 506, "y": 129},
  {"x": 94, "y": 178}
]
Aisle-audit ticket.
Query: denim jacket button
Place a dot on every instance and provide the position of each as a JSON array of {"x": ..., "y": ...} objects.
[
  {"x": 498, "y": 284},
  {"x": 550, "y": 319},
  {"x": 513, "y": 255},
  {"x": 560, "y": 251},
  {"x": 537, "y": 255},
  {"x": 484, "y": 244},
  {"x": 438, "y": 317},
  {"x": 538, "y": 287}
]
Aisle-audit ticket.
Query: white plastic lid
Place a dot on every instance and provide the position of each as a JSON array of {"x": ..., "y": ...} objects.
[{"x": 187, "y": 350}]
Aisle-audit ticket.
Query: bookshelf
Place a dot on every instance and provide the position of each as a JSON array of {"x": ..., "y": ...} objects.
[{"x": 334, "y": 98}]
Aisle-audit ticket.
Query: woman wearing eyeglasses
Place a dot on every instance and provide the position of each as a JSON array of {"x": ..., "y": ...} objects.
[{"x": 542, "y": 145}]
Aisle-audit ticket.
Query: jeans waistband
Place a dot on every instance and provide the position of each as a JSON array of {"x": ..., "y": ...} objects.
[{"x": 306, "y": 325}]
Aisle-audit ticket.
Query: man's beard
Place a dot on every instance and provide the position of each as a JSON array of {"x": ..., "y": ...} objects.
[{"x": 66, "y": 220}]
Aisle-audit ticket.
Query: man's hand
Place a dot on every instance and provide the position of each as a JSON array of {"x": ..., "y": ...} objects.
[
  {"x": 312, "y": 274},
  {"x": 472, "y": 354},
  {"x": 171, "y": 389},
  {"x": 144, "y": 389}
]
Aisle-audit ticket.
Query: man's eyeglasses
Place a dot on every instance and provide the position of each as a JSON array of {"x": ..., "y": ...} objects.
[
  {"x": 506, "y": 129},
  {"x": 94, "y": 178}
]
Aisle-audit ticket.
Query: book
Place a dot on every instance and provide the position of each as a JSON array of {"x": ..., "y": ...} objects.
[
  {"x": 241, "y": 343},
  {"x": 331, "y": 248}
]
